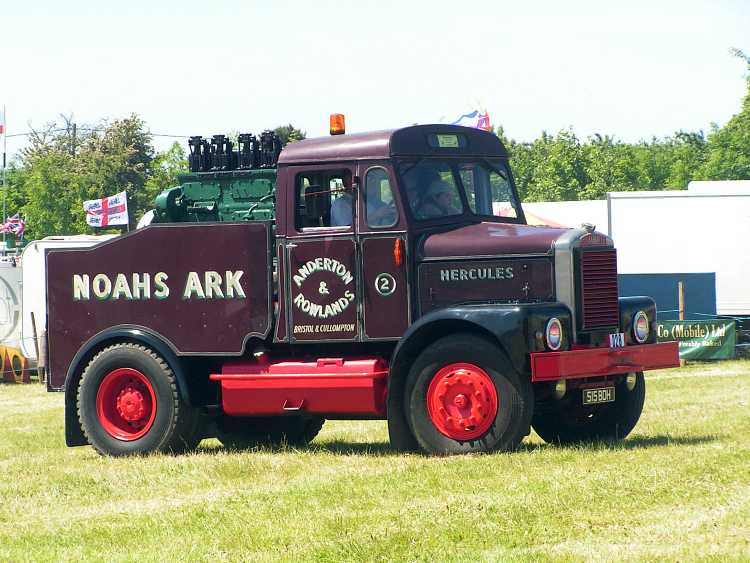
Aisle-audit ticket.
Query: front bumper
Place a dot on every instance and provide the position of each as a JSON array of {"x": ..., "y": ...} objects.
[{"x": 593, "y": 362}]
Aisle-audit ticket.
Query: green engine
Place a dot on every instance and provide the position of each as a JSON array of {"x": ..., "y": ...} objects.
[
  {"x": 219, "y": 196},
  {"x": 224, "y": 184}
]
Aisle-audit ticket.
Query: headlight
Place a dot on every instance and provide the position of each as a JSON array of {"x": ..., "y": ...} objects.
[
  {"x": 554, "y": 334},
  {"x": 640, "y": 327}
]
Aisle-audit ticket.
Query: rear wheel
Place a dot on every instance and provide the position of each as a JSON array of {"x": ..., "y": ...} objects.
[
  {"x": 129, "y": 404},
  {"x": 462, "y": 396},
  {"x": 568, "y": 421},
  {"x": 242, "y": 433}
]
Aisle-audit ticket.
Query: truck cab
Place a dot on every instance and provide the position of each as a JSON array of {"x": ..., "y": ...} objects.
[
  {"x": 386, "y": 275},
  {"x": 387, "y": 214}
]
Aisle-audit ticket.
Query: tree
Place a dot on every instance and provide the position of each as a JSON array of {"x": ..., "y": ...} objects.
[
  {"x": 121, "y": 160},
  {"x": 14, "y": 196},
  {"x": 729, "y": 147},
  {"x": 61, "y": 171},
  {"x": 689, "y": 152},
  {"x": 54, "y": 205},
  {"x": 561, "y": 168},
  {"x": 165, "y": 168},
  {"x": 289, "y": 134},
  {"x": 608, "y": 166},
  {"x": 558, "y": 168}
]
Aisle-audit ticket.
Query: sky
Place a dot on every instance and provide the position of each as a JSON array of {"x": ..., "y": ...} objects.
[{"x": 632, "y": 69}]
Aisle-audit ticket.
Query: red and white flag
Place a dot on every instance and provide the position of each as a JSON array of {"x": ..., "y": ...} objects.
[
  {"x": 14, "y": 225},
  {"x": 108, "y": 211}
]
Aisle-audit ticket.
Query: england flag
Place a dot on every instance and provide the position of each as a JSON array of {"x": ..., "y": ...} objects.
[
  {"x": 14, "y": 225},
  {"x": 107, "y": 211}
]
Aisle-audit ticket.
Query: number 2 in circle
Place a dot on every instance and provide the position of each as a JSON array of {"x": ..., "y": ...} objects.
[{"x": 385, "y": 284}]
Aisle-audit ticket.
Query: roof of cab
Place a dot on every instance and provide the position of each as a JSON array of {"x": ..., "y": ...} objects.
[{"x": 407, "y": 141}]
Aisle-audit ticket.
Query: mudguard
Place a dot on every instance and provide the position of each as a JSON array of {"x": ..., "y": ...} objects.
[
  {"x": 629, "y": 306},
  {"x": 125, "y": 333},
  {"x": 514, "y": 327}
]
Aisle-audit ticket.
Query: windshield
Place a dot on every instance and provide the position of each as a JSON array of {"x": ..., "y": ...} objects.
[{"x": 445, "y": 188}]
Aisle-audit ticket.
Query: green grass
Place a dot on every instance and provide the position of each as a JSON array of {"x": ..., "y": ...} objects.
[{"x": 677, "y": 489}]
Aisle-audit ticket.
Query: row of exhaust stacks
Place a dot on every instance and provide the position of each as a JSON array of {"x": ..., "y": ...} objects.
[{"x": 218, "y": 154}]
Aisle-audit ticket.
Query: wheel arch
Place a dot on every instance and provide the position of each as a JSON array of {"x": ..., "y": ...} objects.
[
  {"x": 510, "y": 327},
  {"x": 422, "y": 333},
  {"x": 74, "y": 435},
  {"x": 427, "y": 329}
]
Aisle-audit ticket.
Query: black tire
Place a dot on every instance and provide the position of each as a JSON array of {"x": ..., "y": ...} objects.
[
  {"x": 243, "y": 433},
  {"x": 568, "y": 422},
  {"x": 175, "y": 427},
  {"x": 514, "y": 393}
]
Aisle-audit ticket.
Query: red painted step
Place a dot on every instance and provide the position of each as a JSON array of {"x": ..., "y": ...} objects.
[{"x": 327, "y": 386}]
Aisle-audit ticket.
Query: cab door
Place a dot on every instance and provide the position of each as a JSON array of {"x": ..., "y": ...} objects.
[
  {"x": 322, "y": 294},
  {"x": 383, "y": 246}
]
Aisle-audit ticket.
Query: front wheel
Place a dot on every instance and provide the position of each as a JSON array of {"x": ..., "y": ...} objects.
[
  {"x": 463, "y": 396},
  {"x": 568, "y": 421},
  {"x": 129, "y": 404}
]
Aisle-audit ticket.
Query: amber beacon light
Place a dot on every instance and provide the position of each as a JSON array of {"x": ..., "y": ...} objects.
[{"x": 338, "y": 125}]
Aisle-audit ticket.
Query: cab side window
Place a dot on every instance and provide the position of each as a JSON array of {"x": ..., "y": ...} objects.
[
  {"x": 380, "y": 207},
  {"x": 324, "y": 199}
]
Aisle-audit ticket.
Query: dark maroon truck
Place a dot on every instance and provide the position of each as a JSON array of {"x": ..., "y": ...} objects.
[{"x": 398, "y": 281}]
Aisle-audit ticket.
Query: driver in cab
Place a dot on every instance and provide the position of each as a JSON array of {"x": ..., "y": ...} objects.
[
  {"x": 379, "y": 214},
  {"x": 437, "y": 201}
]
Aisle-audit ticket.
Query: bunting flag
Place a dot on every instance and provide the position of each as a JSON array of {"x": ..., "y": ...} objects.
[
  {"x": 14, "y": 225},
  {"x": 475, "y": 120},
  {"x": 108, "y": 211}
]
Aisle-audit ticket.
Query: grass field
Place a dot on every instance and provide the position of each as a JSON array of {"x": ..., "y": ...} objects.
[{"x": 677, "y": 489}]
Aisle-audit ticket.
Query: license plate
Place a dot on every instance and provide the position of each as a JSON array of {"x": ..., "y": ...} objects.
[
  {"x": 617, "y": 340},
  {"x": 600, "y": 395}
]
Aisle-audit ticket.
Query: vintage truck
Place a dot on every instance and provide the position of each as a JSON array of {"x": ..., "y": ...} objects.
[{"x": 384, "y": 275}]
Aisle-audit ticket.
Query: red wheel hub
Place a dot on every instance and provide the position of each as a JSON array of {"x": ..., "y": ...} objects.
[
  {"x": 126, "y": 404},
  {"x": 462, "y": 401}
]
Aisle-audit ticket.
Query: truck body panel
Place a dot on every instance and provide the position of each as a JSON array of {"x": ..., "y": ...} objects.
[
  {"x": 323, "y": 289},
  {"x": 34, "y": 284},
  {"x": 386, "y": 308},
  {"x": 491, "y": 239},
  {"x": 522, "y": 279},
  {"x": 207, "y": 296}
]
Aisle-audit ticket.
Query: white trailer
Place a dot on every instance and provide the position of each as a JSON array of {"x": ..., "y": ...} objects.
[
  {"x": 701, "y": 230},
  {"x": 10, "y": 305},
  {"x": 720, "y": 187}
]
